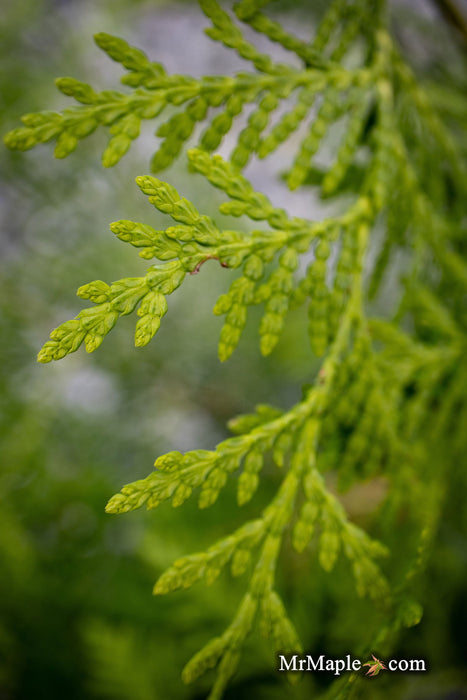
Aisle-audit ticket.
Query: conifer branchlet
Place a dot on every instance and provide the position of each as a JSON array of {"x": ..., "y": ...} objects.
[{"x": 371, "y": 406}]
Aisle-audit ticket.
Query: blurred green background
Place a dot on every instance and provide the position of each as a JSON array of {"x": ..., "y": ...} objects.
[{"x": 77, "y": 619}]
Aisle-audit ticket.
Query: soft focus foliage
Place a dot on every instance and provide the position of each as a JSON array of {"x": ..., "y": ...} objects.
[{"x": 361, "y": 473}]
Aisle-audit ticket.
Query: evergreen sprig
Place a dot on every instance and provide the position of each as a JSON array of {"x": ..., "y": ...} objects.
[
  {"x": 380, "y": 390},
  {"x": 153, "y": 90}
]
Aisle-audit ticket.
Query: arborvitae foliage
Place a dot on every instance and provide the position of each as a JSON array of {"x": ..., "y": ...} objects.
[{"x": 388, "y": 389}]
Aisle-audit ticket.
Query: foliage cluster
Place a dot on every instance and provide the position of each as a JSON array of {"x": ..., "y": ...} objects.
[{"x": 389, "y": 390}]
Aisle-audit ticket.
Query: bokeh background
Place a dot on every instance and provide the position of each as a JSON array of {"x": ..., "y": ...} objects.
[{"x": 77, "y": 619}]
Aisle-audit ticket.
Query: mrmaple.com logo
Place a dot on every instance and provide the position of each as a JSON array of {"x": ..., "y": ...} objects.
[{"x": 307, "y": 663}]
